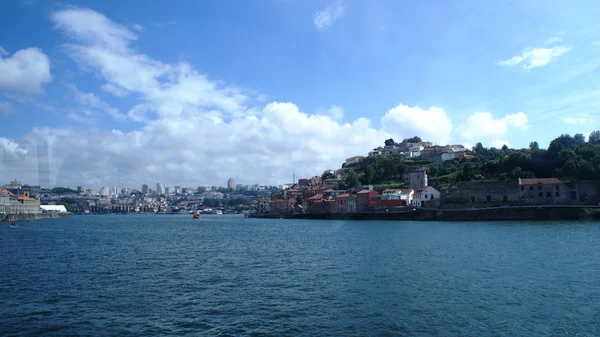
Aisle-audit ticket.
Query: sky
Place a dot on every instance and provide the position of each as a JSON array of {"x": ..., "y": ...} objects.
[{"x": 122, "y": 93}]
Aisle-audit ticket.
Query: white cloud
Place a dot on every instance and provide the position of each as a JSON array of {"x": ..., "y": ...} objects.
[
  {"x": 105, "y": 47},
  {"x": 328, "y": 15},
  {"x": 431, "y": 124},
  {"x": 336, "y": 112},
  {"x": 197, "y": 150},
  {"x": 137, "y": 27},
  {"x": 574, "y": 120},
  {"x": 537, "y": 57},
  {"x": 553, "y": 40},
  {"x": 482, "y": 125},
  {"x": 114, "y": 90},
  {"x": 6, "y": 107},
  {"x": 25, "y": 71},
  {"x": 92, "y": 101},
  {"x": 499, "y": 143}
]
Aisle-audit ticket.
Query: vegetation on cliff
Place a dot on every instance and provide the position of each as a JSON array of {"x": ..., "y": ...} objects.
[{"x": 567, "y": 157}]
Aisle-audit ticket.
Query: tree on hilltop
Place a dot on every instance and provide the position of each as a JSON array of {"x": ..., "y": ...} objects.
[{"x": 389, "y": 142}]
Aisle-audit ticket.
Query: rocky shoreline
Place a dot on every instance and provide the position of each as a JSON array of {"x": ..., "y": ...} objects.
[{"x": 33, "y": 217}]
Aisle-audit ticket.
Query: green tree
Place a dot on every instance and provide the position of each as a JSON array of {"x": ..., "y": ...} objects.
[
  {"x": 352, "y": 179},
  {"x": 534, "y": 146},
  {"x": 369, "y": 174},
  {"x": 594, "y": 137},
  {"x": 504, "y": 148},
  {"x": 201, "y": 189},
  {"x": 389, "y": 142},
  {"x": 415, "y": 139},
  {"x": 467, "y": 172}
]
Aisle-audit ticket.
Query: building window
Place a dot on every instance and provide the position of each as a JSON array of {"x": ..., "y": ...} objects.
[
  {"x": 556, "y": 186},
  {"x": 548, "y": 194},
  {"x": 531, "y": 188},
  {"x": 522, "y": 188},
  {"x": 432, "y": 197},
  {"x": 540, "y": 194},
  {"x": 505, "y": 198},
  {"x": 489, "y": 198},
  {"x": 557, "y": 194},
  {"x": 472, "y": 199},
  {"x": 539, "y": 187}
]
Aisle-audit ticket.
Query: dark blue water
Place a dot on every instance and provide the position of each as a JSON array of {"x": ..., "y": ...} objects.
[{"x": 227, "y": 275}]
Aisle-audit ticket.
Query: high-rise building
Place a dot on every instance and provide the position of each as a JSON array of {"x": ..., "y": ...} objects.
[
  {"x": 145, "y": 189},
  {"x": 178, "y": 189},
  {"x": 169, "y": 190},
  {"x": 231, "y": 183},
  {"x": 105, "y": 191},
  {"x": 160, "y": 189},
  {"x": 80, "y": 189}
]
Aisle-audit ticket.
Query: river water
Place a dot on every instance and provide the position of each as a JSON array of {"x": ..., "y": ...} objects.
[{"x": 228, "y": 275}]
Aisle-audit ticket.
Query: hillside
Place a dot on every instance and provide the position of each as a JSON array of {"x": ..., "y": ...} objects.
[{"x": 567, "y": 157}]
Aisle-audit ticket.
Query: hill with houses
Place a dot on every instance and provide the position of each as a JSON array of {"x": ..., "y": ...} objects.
[{"x": 417, "y": 173}]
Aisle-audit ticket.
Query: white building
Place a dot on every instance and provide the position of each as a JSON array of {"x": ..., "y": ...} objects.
[
  {"x": 160, "y": 190},
  {"x": 415, "y": 150},
  {"x": 423, "y": 195},
  {"x": 398, "y": 194},
  {"x": 54, "y": 208}
]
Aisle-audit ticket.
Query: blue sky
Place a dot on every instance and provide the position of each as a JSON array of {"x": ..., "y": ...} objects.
[{"x": 307, "y": 82}]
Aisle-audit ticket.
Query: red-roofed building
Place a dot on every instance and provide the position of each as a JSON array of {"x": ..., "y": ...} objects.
[
  {"x": 363, "y": 197},
  {"x": 283, "y": 206},
  {"x": 341, "y": 203}
]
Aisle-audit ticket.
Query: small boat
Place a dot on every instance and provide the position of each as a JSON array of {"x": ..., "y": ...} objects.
[
  {"x": 196, "y": 215},
  {"x": 13, "y": 224}
]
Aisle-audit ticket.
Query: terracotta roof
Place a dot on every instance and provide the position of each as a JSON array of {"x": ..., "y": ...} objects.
[
  {"x": 22, "y": 197},
  {"x": 345, "y": 195},
  {"x": 316, "y": 197},
  {"x": 539, "y": 181},
  {"x": 364, "y": 191}
]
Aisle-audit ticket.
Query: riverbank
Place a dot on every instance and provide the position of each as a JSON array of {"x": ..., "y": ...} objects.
[
  {"x": 491, "y": 214},
  {"x": 33, "y": 217}
]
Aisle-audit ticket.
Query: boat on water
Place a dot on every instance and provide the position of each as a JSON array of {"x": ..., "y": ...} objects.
[
  {"x": 13, "y": 223},
  {"x": 196, "y": 215}
]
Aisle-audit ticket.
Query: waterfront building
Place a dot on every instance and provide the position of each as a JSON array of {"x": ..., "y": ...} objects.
[
  {"x": 398, "y": 194},
  {"x": 425, "y": 196},
  {"x": 160, "y": 190},
  {"x": 80, "y": 189},
  {"x": 145, "y": 189}
]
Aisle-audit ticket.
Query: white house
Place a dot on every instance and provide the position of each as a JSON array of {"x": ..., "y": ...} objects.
[
  {"x": 397, "y": 194},
  {"x": 425, "y": 194},
  {"x": 415, "y": 150}
]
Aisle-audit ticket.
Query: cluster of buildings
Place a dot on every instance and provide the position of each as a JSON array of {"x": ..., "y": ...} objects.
[
  {"x": 317, "y": 196},
  {"x": 16, "y": 198},
  {"x": 424, "y": 150}
]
